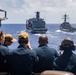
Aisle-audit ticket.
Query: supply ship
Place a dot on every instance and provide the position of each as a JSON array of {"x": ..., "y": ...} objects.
[
  {"x": 36, "y": 25},
  {"x": 65, "y": 26}
]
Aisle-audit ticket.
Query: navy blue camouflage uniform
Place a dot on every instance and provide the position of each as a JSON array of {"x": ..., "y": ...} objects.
[
  {"x": 66, "y": 62},
  {"x": 4, "y": 54},
  {"x": 22, "y": 60},
  {"x": 46, "y": 56}
]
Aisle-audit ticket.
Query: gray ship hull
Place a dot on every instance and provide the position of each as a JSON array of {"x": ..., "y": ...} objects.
[
  {"x": 37, "y": 31},
  {"x": 67, "y": 27}
]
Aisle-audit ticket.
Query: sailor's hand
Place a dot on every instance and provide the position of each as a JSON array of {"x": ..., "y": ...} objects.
[
  {"x": 61, "y": 52},
  {"x": 29, "y": 46}
]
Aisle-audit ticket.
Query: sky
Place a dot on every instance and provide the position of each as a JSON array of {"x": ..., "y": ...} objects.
[{"x": 52, "y": 11}]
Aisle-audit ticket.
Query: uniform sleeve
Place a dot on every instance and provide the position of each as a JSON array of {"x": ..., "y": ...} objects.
[
  {"x": 55, "y": 64},
  {"x": 35, "y": 57}
]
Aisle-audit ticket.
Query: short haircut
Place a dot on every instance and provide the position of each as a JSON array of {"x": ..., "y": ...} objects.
[{"x": 43, "y": 39}]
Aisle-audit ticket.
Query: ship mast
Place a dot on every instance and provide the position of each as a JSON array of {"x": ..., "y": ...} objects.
[
  {"x": 65, "y": 17},
  {"x": 3, "y": 18}
]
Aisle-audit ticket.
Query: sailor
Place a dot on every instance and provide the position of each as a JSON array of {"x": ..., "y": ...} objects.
[
  {"x": 9, "y": 40},
  {"x": 22, "y": 58},
  {"x": 46, "y": 55},
  {"x": 4, "y": 53},
  {"x": 67, "y": 60}
]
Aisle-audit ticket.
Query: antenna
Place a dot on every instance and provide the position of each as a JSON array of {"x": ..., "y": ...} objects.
[
  {"x": 3, "y": 18},
  {"x": 65, "y": 17}
]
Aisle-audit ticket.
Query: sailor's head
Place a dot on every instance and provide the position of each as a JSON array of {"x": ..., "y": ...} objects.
[
  {"x": 10, "y": 38},
  {"x": 67, "y": 44},
  {"x": 23, "y": 38},
  {"x": 43, "y": 39}
]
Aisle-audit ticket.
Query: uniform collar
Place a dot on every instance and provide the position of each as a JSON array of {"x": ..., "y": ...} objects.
[
  {"x": 42, "y": 45},
  {"x": 22, "y": 46},
  {"x": 5, "y": 45}
]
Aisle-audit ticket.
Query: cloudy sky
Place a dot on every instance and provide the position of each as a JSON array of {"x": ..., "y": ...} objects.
[{"x": 18, "y": 11}]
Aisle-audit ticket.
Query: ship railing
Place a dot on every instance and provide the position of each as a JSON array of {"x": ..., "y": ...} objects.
[{"x": 39, "y": 28}]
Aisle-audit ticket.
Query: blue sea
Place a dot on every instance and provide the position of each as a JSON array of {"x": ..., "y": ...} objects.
[{"x": 54, "y": 35}]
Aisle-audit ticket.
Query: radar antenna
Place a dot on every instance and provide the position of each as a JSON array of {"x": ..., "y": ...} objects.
[{"x": 65, "y": 17}]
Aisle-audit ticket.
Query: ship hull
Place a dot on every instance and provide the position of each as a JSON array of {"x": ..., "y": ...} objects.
[
  {"x": 67, "y": 27},
  {"x": 36, "y": 31},
  {"x": 68, "y": 30}
]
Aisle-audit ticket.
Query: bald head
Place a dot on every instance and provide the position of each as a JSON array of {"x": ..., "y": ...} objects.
[{"x": 43, "y": 39}]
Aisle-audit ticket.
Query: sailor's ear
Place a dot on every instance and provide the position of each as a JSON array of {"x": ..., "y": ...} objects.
[
  {"x": 47, "y": 42},
  {"x": 39, "y": 42},
  {"x": 1, "y": 37}
]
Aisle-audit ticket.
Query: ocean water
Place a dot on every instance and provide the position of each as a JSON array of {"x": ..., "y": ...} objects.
[{"x": 55, "y": 36}]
